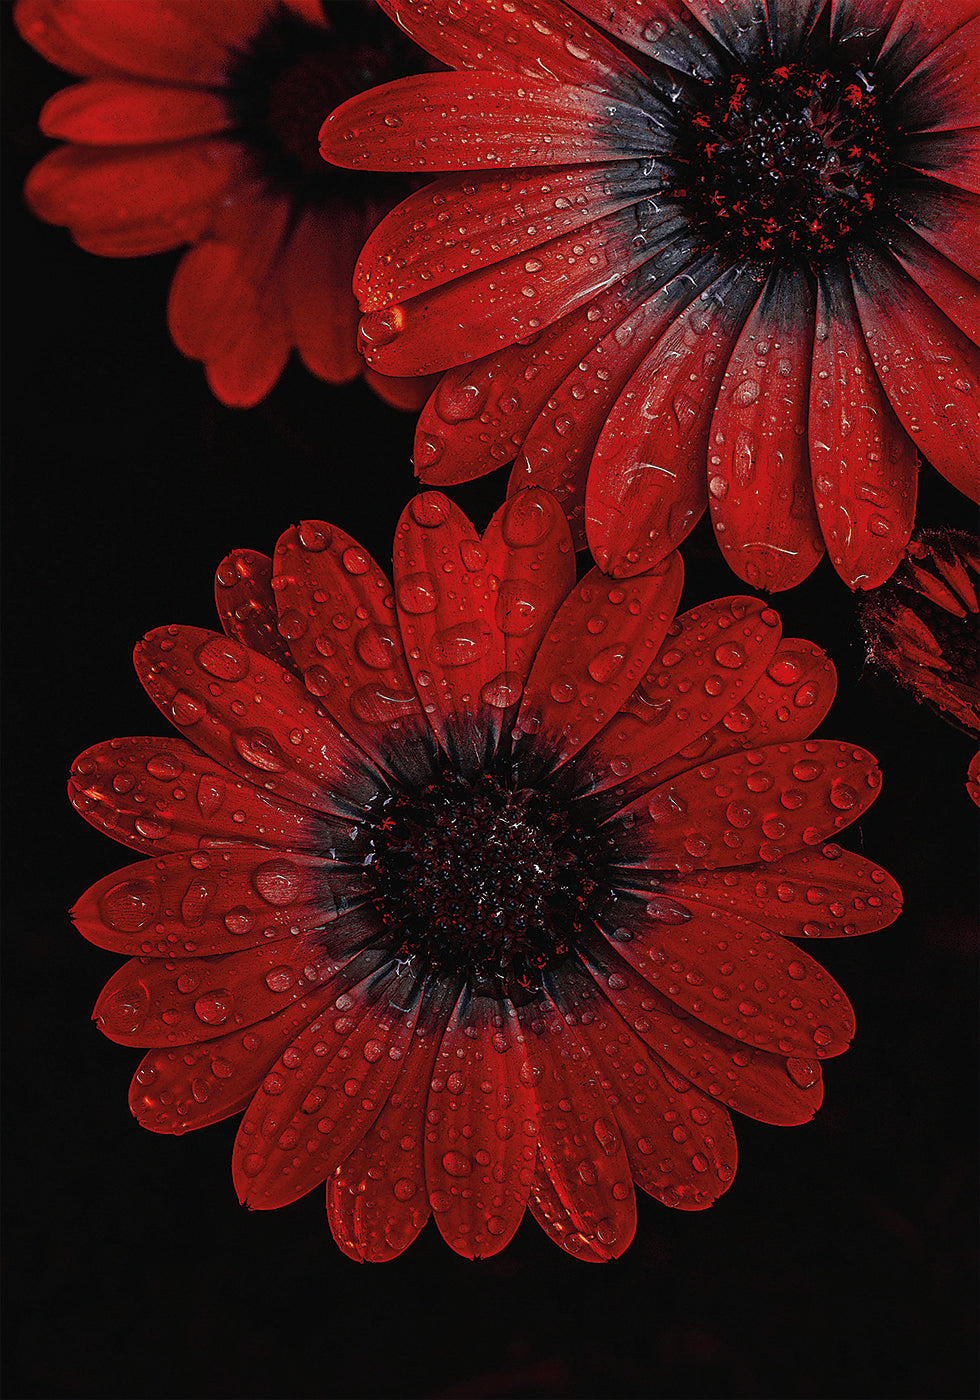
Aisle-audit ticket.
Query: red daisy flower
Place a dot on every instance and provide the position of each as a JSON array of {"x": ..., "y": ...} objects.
[
  {"x": 197, "y": 123},
  {"x": 475, "y": 892},
  {"x": 725, "y": 257}
]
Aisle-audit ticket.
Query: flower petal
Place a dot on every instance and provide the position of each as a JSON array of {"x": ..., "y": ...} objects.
[
  {"x": 558, "y": 1222},
  {"x": 711, "y": 659},
  {"x": 125, "y": 203},
  {"x": 946, "y": 217},
  {"x": 337, "y": 613},
  {"x": 107, "y": 112},
  {"x": 176, "y": 1091},
  {"x": 929, "y": 369},
  {"x": 325, "y": 1091},
  {"x": 246, "y": 605},
  {"x": 741, "y": 979},
  {"x": 377, "y": 1202},
  {"x": 601, "y": 641},
  {"x": 535, "y": 37},
  {"x": 216, "y": 902},
  {"x": 953, "y": 156},
  {"x": 445, "y": 596},
  {"x": 864, "y": 464},
  {"x": 826, "y": 893},
  {"x": 758, "y": 468},
  {"x": 254, "y": 718},
  {"x": 161, "y": 795},
  {"x": 473, "y": 121},
  {"x": 664, "y": 29},
  {"x": 973, "y": 778},
  {"x": 954, "y": 291},
  {"x": 647, "y": 487},
  {"x": 316, "y": 271},
  {"x": 940, "y": 92},
  {"x": 243, "y": 372},
  {"x": 481, "y": 1135}
]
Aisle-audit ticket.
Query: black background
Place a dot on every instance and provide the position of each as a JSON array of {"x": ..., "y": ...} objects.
[{"x": 840, "y": 1263}]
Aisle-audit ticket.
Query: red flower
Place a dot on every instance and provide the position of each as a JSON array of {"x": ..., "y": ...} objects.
[
  {"x": 196, "y": 123},
  {"x": 475, "y": 892},
  {"x": 723, "y": 258}
]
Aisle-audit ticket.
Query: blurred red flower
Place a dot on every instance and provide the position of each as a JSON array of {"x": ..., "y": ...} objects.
[
  {"x": 709, "y": 254},
  {"x": 474, "y": 891},
  {"x": 197, "y": 123}
]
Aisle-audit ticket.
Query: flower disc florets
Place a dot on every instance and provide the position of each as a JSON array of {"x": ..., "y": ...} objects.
[
  {"x": 484, "y": 881},
  {"x": 788, "y": 161}
]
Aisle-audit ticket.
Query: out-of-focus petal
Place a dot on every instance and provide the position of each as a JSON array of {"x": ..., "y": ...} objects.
[
  {"x": 104, "y": 112},
  {"x": 317, "y": 268}
]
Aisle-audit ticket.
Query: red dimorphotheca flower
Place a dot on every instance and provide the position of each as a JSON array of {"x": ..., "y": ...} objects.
[
  {"x": 197, "y": 124},
  {"x": 724, "y": 258},
  {"x": 475, "y": 892}
]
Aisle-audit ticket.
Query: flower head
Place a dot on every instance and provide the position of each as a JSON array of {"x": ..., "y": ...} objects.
[
  {"x": 196, "y": 124},
  {"x": 476, "y": 892},
  {"x": 705, "y": 254}
]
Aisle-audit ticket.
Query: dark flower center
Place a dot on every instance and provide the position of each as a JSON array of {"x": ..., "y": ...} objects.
[
  {"x": 480, "y": 880},
  {"x": 788, "y": 162},
  {"x": 294, "y": 74}
]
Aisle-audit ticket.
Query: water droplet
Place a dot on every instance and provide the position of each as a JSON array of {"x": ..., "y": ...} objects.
[
  {"x": 185, "y": 710},
  {"x": 842, "y": 795},
  {"x": 730, "y": 655},
  {"x": 224, "y": 658},
  {"x": 280, "y": 979},
  {"x": 376, "y": 647},
  {"x": 278, "y": 882},
  {"x": 456, "y": 1164},
  {"x": 213, "y": 1009},
  {"x": 417, "y": 594},
  {"x": 462, "y": 644},
  {"x": 259, "y": 749},
  {"x": 129, "y": 906}
]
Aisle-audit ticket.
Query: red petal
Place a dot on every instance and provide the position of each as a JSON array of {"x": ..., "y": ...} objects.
[
  {"x": 952, "y": 156},
  {"x": 467, "y": 121},
  {"x": 579, "y": 1142},
  {"x": 758, "y": 804},
  {"x": 377, "y": 1201},
  {"x": 216, "y": 902},
  {"x": 324, "y": 1092},
  {"x": 254, "y": 718},
  {"x": 758, "y": 464},
  {"x": 160, "y": 795},
  {"x": 828, "y": 893},
  {"x": 176, "y": 1091},
  {"x": 152, "y": 40},
  {"x": 404, "y": 392},
  {"x": 647, "y": 486},
  {"x": 104, "y": 112},
  {"x": 317, "y": 270},
  {"x": 711, "y": 658},
  {"x": 247, "y": 606},
  {"x": 601, "y": 641},
  {"x": 768, "y": 1087},
  {"x": 538, "y": 36},
  {"x": 741, "y": 25},
  {"x": 124, "y": 203},
  {"x": 664, "y": 29},
  {"x": 244, "y": 372},
  {"x": 928, "y": 368},
  {"x": 446, "y": 595},
  {"x": 941, "y": 91},
  {"x": 558, "y": 1222},
  {"x": 337, "y": 613},
  {"x": 481, "y": 1138},
  {"x": 680, "y": 1145},
  {"x": 529, "y": 552},
  {"x": 973, "y": 778},
  {"x": 186, "y": 1000},
  {"x": 864, "y": 464},
  {"x": 742, "y": 979},
  {"x": 508, "y": 301},
  {"x": 450, "y": 228},
  {"x": 946, "y": 217},
  {"x": 955, "y": 292}
]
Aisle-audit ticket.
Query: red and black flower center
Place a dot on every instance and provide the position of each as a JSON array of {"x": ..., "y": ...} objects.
[
  {"x": 790, "y": 161},
  {"x": 479, "y": 880}
]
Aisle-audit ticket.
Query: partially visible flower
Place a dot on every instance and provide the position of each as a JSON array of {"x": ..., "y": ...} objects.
[
  {"x": 197, "y": 123},
  {"x": 475, "y": 892},
  {"x": 921, "y": 627},
  {"x": 722, "y": 254}
]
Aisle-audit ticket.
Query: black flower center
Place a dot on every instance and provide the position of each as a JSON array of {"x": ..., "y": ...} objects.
[
  {"x": 294, "y": 74},
  {"x": 788, "y": 162},
  {"x": 480, "y": 880}
]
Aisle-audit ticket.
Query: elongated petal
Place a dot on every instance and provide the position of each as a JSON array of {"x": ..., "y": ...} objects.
[
  {"x": 109, "y": 113},
  {"x": 446, "y": 613},
  {"x": 324, "y": 1092},
  {"x": 482, "y": 1133},
  {"x": 377, "y": 1202},
  {"x": 946, "y": 218},
  {"x": 952, "y": 156},
  {"x": 241, "y": 374},
  {"x": 827, "y": 893},
  {"x": 758, "y": 464},
  {"x": 467, "y": 121},
  {"x": 337, "y": 613},
  {"x": 602, "y": 640},
  {"x": 647, "y": 486},
  {"x": 558, "y": 1222},
  {"x": 940, "y": 92},
  {"x": 316, "y": 271},
  {"x": 864, "y": 464},
  {"x": 955, "y": 292},
  {"x": 756, "y": 805},
  {"x": 247, "y": 606},
  {"x": 253, "y": 717},
  {"x": 160, "y": 795},
  {"x": 929, "y": 369},
  {"x": 710, "y": 659},
  {"x": 663, "y": 29}
]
